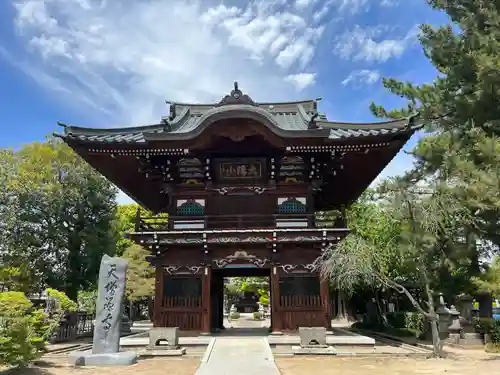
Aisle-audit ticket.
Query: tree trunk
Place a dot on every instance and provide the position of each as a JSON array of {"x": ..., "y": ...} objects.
[
  {"x": 437, "y": 345},
  {"x": 381, "y": 311},
  {"x": 342, "y": 314},
  {"x": 131, "y": 310}
]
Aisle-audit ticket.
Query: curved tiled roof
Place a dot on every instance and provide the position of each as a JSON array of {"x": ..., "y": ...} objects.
[{"x": 290, "y": 119}]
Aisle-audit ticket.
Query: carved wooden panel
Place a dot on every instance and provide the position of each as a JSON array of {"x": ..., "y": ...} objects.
[{"x": 241, "y": 259}]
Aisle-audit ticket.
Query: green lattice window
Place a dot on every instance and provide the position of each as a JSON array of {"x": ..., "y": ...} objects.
[
  {"x": 292, "y": 206},
  {"x": 190, "y": 209}
]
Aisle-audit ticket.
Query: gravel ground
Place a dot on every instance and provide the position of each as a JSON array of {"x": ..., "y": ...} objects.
[
  {"x": 387, "y": 366},
  {"x": 170, "y": 366}
]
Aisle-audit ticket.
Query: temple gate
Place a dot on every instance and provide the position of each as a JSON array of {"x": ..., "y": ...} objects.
[{"x": 244, "y": 185}]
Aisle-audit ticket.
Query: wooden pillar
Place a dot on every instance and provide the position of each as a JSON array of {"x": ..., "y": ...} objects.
[
  {"x": 158, "y": 297},
  {"x": 324, "y": 291},
  {"x": 276, "y": 323},
  {"x": 206, "y": 319},
  {"x": 221, "y": 302}
]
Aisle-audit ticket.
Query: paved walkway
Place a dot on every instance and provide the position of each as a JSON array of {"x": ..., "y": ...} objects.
[
  {"x": 239, "y": 355},
  {"x": 241, "y": 349}
]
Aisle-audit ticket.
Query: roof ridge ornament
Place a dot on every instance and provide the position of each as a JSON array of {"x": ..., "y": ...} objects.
[{"x": 236, "y": 97}]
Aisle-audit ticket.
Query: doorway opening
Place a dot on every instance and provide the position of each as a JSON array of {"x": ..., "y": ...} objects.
[{"x": 241, "y": 301}]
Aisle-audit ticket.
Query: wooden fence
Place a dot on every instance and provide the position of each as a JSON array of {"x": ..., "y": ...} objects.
[{"x": 76, "y": 325}]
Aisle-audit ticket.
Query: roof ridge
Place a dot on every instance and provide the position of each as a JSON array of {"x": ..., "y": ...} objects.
[
  {"x": 258, "y": 103},
  {"x": 121, "y": 130},
  {"x": 398, "y": 123}
]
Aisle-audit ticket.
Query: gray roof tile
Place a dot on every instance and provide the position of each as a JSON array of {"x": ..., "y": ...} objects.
[{"x": 289, "y": 117}]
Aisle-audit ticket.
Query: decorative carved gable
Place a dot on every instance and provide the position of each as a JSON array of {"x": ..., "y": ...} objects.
[{"x": 236, "y": 97}]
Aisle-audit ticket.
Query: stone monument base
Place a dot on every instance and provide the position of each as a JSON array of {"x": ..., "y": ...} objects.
[
  {"x": 87, "y": 358},
  {"x": 312, "y": 350},
  {"x": 172, "y": 352}
]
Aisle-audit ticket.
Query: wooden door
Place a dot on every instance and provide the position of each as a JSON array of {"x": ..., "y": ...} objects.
[
  {"x": 300, "y": 302},
  {"x": 180, "y": 302}
]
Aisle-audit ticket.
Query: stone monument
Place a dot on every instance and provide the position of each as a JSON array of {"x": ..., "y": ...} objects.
[{"x": 106, "y": 344}]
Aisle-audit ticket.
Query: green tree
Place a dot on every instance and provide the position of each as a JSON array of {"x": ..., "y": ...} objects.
[
  {"x": 140, "y": 274},
  {"x": 461, "y": 110},
  {"x": 125, "y": 223},
  {"x": 427, "y": 219},
  {"x": 60, "y": 215},
  {"x": 489, "y": 282},
  {"x": 15, "y": 279},
  {"x": 250, "y": 284},
  {"x": 466, "y": 94},
  {"x": 87, "y": 300}
]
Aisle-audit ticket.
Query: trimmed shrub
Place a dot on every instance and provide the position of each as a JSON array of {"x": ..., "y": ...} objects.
[
  {"x": 21, "y": 330},
  {"x": 24, "y": 330},
  {"x": 495, "y": 331},
  {"x": 235, "y": 315},
  {"x": 257, "y": 315},
  {"x": 409, "y": 320},
  {"x": 415, "y": 321},
  {"x": 483, "y": 325}
]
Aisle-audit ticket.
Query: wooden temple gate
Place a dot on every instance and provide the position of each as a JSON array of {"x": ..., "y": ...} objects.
[{"x": 242, "y": 183}]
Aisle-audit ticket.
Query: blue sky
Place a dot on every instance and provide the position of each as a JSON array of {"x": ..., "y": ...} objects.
[{"x": 113, "y": 63}]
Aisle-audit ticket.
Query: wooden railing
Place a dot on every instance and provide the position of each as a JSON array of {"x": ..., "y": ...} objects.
[
  {"x": 301, "y": 302},
  {"x": 146, "y": 224},
  {"x": 183, "y": 312},
  {"x": 181, "y": 303},
  {"x": 300, "y": 311}
]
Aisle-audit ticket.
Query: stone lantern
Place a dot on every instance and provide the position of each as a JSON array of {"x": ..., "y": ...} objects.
[
  {"x": 444, "y": 318},
  {"x": 455, "y": 328}
]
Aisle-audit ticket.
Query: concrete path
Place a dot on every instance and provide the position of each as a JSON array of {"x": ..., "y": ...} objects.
[{"x": 239, "y": 355}]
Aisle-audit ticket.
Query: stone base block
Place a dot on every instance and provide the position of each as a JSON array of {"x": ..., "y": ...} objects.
[
  {"x": 471, "y": 339},
  {"x": 164, "y": 352},
  {"x": 453, "y": 338},
  {"x": 312, "y": 336},
  {"x": 87, "y": 358},
  {"x": 328, "y": 350}
]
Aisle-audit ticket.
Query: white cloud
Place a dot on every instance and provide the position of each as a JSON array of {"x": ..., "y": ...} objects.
[
  {"x": 301, "y": 80},
  {"x": 125, "y": 58},
  {"x": 389, "y": 3},
  {"x": 353, "y": 6},
  {"x": 360, "y": 44},
  {"x": 362, "y": 76},
  {"x": 301, "y": 4}
]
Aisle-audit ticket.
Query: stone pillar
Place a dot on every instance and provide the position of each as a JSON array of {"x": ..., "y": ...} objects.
[
  {"x": 464, "y": 305},
  {"x": 106, "y": 343}
]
